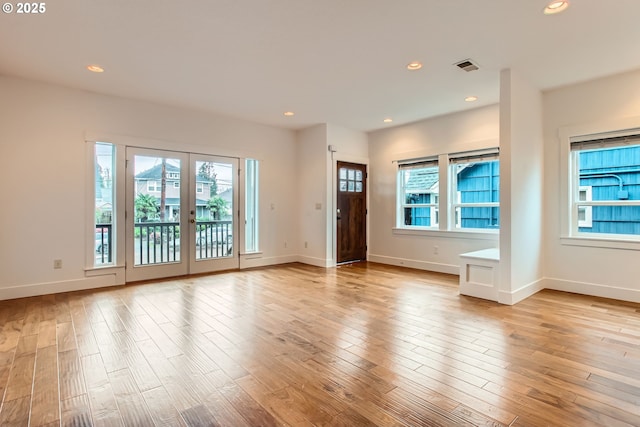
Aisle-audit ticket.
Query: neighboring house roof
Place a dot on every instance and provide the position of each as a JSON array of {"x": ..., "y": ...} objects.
[
  {"x": 156, "y": 171},
  {"x": 420, "y": 179}
]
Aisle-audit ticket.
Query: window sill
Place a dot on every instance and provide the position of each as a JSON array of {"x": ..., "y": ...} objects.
[
  {"x": 601, "y": 242},
  {"x": 251, "y": 255},
  {"x": 101, "y": 271},
  {"x": 492, "y": 235}
]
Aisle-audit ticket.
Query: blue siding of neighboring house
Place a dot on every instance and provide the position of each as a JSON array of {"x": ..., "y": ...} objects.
[
  {"x": 419, "y": 216},
  {"x": 612, "y": 219},
  {"x": 480, "y": 183}
]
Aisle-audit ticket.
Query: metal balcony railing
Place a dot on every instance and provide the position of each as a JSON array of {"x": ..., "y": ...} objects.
[
  {"x": 214, "y": 239},
  {"x": 103, "y": 246},
  {"x": 159, "y": 242},
  {"x": 156, "y": 242}
]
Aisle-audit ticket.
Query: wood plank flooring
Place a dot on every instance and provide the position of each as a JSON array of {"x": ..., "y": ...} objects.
[{"x": 295, "y": 345}]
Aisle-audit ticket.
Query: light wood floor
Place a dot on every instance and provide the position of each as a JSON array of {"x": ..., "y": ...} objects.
[{"x": 297, "y": 345}]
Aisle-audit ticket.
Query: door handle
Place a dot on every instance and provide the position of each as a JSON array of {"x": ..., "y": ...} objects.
[
  {"x": 337, "y": 213},
  {"x": 192, "y": 221}
]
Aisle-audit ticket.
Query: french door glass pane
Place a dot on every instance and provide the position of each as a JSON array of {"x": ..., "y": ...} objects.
[
  {"x": 157, "y": 210},
  {"x": 213, "y": 210}
]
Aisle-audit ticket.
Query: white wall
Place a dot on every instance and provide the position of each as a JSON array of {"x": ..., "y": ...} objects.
[
  {"x": 600, "y": 105},
  {"x": 521, "y": 193},
  {"x": 42, "y": 177},
  {"x": 468, "y": 130},
  {"x": 312, "y": 194}
]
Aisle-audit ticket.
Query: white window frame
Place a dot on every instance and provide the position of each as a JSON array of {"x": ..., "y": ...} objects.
[
  {"x": 115, "y": 269},
  {"x": 112, "y": 233},
  {"x": 587, "y": 222},
  {"x": 154, "y": 186},
  {"x": 435, "y": 210},
  {"x": 568, "y": 215},
  {"x": 401, "y": 203},
  {"x": 455, "y": 211},
  {"x": 252, "y": 205},
  {"x": 199, "y": 187},
  {"x": 576, "y": 205}
]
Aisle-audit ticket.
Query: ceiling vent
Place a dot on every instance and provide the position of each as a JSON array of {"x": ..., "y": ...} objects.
[{"x": 466, "y": 65}]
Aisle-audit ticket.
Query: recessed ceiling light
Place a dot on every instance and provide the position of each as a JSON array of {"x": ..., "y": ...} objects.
[
  {"x": 471, "y": 98},
  {"x": 95, "y": 68},
  {"x": 415, "y": 65},
  {"x": 388, "y": 120},
  {"x": 556, "y": 7},
  {"x": 289, "y": 113}
]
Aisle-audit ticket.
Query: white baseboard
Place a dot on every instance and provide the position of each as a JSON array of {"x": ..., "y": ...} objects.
[
  {"x": 510, "y": 298},
  {"x": 57, "y": 287},
  {"x": 593, "y": 289},
  {"x": 420, "y": 265},
  {"x": 514, "y": 297},
  {"x": 318, "y": 262}
]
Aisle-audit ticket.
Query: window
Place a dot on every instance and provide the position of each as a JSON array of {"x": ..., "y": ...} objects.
[
  {"x": 419, "y": 185},
  {"x": 176, "y": 184},
  {"x": 199, "y": 187},
  {"x": 104, "y": 167},
  {"x": 472, "y": 185},
  {"x": 154, "y": 186},
  {"x": 251, "y": 205},
  {"x": 605, "y": 187},
  {"x": 475, "y": 189}
]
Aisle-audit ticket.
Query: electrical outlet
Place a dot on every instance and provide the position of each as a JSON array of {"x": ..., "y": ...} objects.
[
  {"x": 306, "y": 245},
  {"x": 435, "y": 250},
  {"x": 57, "y": 264},
  {"x": 285, "y": 244}
]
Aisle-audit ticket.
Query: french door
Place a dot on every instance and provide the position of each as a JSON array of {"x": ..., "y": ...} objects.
[{"x": 181, "y": 214}]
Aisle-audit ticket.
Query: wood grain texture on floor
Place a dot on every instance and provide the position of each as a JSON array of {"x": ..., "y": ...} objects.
[{"x": 295, "y": 345}]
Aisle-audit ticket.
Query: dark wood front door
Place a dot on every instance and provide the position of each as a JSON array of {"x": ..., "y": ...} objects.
[{"x": 352, "y": 212}]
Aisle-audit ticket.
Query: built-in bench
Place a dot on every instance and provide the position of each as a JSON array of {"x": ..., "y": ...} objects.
[{"x": 480, "y": 273}]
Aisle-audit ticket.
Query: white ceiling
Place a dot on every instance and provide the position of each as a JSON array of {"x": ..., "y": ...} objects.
[{"x": 331, "y": 61}]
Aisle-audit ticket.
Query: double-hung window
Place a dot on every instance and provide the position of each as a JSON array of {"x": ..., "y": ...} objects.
[
  {"x": 475, "y": 189},
  {"x": 418, "y": 191},
  {"x": 605, "y": 187}
]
